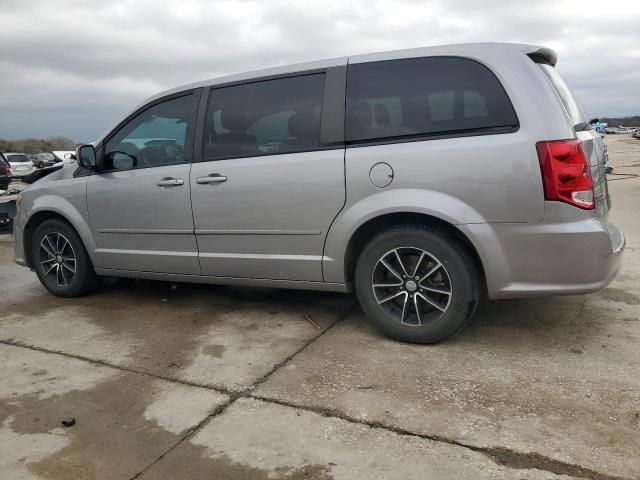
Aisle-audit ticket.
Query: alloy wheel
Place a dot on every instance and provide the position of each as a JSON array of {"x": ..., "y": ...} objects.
[
  {"x": 57, "y": 258},
  {"x": 412, "y": 286}
]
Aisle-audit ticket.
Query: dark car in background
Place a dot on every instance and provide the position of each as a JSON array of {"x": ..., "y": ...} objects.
[
  {"x": 42, "y": 160},
  {"x": 5, "y": 173}
]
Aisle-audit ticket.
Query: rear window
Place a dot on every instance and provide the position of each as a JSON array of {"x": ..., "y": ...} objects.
[
  {"x": 425, "y": 96},
  {"x": 18, "y": 158},
  {"x": 571, "y": 105}
]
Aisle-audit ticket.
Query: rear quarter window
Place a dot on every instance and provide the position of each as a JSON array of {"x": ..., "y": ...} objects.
[{"x": 428, "y": 96}]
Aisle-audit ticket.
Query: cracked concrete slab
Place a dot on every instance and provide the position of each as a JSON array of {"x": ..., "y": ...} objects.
[
  {"x": 257, "y": 440},
  {"x": 557, "y": 377},
  {"x": 216, "y": 336},
  {"x": 544, "y": 387},
  {"x": 124, "y": 421}
]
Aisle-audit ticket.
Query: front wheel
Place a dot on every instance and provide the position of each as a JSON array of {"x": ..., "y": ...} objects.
[
  {"x": 416, "y": 284},
  {"x": 60, "y": 260}
]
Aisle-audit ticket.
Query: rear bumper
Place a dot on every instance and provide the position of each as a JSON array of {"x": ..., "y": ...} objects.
[
  {"x": 564, "y": 258},
  {"x": 20, "y": 174}
]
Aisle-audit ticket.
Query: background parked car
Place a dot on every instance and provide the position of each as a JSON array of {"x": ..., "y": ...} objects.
[
  {"x": 20, "y": 164},
  {"x": 5, "y": 174},
  {"x": 636, "y": 134},
  {"x": 65, "y": 156},
  {"x": 42, "y": 160}
]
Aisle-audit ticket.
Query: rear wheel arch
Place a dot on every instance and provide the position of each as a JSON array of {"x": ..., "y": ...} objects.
[{"x": 378, "y": 224}]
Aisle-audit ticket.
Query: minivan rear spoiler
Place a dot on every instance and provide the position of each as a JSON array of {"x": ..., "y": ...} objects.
[{"x": 545, "y": 56}]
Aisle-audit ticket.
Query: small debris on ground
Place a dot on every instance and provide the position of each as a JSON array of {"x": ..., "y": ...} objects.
[
  {"x": 312, "y": 321},
  {"x": 68, "y": 422}
]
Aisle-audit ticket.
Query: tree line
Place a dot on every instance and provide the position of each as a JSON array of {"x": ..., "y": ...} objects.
[
  {"x": 624, "y": 121},
  {"x": 37, "y": 145}
]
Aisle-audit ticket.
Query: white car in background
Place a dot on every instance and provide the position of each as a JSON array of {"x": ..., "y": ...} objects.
[
  {"x": 64, "y": 156},
  {"x": 21, "y": 165}
]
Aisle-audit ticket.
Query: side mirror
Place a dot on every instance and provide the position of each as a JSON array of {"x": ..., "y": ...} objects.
[
  {"x": 69, "y": 156},
  {"x": 86, "y": 156}
]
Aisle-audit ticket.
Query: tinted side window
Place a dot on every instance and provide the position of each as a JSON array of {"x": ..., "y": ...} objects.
[
  {"x": 265, "y": 117},
  {"x": 155, "y": 137},
  {"x": 424, "y": 96}
]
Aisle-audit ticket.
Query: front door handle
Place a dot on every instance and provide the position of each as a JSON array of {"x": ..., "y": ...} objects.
[
  {"x": 170, "y": 182},
  {"x": 213, "y": 178}
]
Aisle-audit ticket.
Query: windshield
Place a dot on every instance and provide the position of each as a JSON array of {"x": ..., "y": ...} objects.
[
  {"x": 577, "y": 116},
  {"x": 18, "y": 158}
]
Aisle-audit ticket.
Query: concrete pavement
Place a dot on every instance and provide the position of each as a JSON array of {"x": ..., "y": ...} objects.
[{"x": 219, "y": 382}]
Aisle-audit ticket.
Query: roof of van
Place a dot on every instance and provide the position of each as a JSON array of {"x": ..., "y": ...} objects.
[
  {"x": 546, "y": 54},
  {"x": 458, "y": 49}
]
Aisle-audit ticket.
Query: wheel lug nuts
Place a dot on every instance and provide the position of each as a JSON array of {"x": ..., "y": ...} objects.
[{"x": 417, "y": 277}]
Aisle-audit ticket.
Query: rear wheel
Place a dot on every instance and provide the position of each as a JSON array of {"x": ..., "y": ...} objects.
[
  {"x": 60, "y": 259},
  {"x": 417, "y": 285}
]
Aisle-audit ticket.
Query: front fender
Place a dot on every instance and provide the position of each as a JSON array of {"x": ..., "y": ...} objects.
[
  {"x": 72, "y": 211},
  {"x": 427, "y": 202}
]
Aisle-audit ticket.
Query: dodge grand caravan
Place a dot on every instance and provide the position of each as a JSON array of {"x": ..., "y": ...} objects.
[{"x": 421, "y": 179}]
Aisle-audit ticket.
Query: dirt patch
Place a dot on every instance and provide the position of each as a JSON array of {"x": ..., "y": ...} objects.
[
  {"x": 620, "y": 295},
  {"x": 214, "y": 350}
]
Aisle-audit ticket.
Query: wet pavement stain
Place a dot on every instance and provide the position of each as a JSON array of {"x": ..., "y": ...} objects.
[
  {"x": 111, "y": 438},
  {"x": 195, "y": 463}
]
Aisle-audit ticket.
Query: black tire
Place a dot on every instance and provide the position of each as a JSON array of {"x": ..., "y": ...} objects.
[
  {"x": 40, "y": 165},
  {"x": 84, "y": 277},
  {"x": 459, "y": 277}
]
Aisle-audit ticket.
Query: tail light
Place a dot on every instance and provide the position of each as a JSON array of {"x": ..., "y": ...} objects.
[
  {"x": 566, "y": 175},
  {"x": 7, "y": 169}
]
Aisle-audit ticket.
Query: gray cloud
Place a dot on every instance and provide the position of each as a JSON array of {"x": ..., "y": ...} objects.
[{"x": 74, "y": 67}]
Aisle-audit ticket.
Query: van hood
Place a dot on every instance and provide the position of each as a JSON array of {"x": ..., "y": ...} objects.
[{"x": 55, "y": 172}]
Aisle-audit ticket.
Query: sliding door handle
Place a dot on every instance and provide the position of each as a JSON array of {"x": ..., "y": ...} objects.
[
  {"x": 213, "y": 178},
  {"x": 170, "y": 182}
]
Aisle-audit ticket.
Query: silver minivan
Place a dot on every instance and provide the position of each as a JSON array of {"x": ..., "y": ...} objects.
[{"x": 422, "y": 179}]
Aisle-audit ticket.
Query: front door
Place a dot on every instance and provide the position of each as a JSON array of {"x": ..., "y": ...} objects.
[
  {"x": 139, "y": 203},
  {"x": 266, "y": 192}
]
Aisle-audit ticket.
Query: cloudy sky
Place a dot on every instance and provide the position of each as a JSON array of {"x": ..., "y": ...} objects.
[{"x": 74, "y": 67}]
